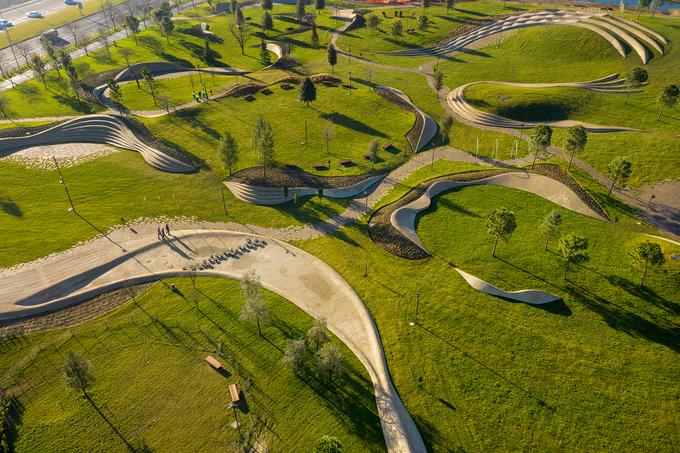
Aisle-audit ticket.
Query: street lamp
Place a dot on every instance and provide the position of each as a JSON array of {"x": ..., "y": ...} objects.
[
  {"x": 349, "y": 91},
  {"x": 63, "y": 183}
]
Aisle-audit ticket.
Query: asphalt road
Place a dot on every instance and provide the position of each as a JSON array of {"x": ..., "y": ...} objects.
[{"x": 17, "y": 14}]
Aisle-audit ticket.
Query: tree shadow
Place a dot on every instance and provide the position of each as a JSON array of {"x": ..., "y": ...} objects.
[
  {"x": 106, "y": 419},
  {"x": 75, "y": 104},
  {"x": 644, "y": 293},
  {"x": 8, "y": 206},
  {"x": 351, "y": 123}
]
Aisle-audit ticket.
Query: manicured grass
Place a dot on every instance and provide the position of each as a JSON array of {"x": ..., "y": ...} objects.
[
  {"x": 499, "y": 375},
  {"x": 153, "y": 385}
]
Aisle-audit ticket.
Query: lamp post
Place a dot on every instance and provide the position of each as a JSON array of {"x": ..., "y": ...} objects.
[
  {"x": 62, "y": 182},
  {"x": 417, "y": 306},
  {"x": 649, "y": 203},
  {"x": 349, "y": 91}
]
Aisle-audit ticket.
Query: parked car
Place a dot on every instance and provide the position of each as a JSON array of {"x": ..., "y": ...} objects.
[
  {"x": 34, "y": 14},
  {"x": 70, "y": 2},
  {"x": 51, "y": 35}
]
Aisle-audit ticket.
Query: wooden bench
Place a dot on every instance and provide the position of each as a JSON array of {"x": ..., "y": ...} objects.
[
  {"x": 368, "y": 157},
  {"x": 320, "y": 167},
  {"x": 346, "y": 162},
  {"x": 233, "y": 391},
  {"x": 214, "y": 362},
  {"x": 249, "y": 98},
  {"x": 387, "y": 146}
]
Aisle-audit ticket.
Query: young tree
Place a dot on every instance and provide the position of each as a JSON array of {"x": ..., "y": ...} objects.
[
  {"x": 241, "y": 34},
  {"x": 228, "y": 151},
  {"x": 423, "y": 22},
  {"x": 150, "y": 83},
  {"x": 445, "y": 125},
  {"x": 294, "y": 355},
  {"x": 619, "y": 170},
  {"x": 500, "y": 224},
  {"x": 233, "y": 7},
  {"x": 300, "y": 9},
  {"x": 667, "y": 98},
  {"x": 132, "y": 24},
  {"x": 572, "y": 249},
  {"x": 644, "y": 255},
  {"x": 167, "y": 26},
  {"x": 332, "y": 56},
  {"x": 328, "y": 444},
  {"x": 540, "y": 140},
  {"x": 438, "y": 80},
  {"x": 116, "y": 94},
  {"x": 264, "y": 54},
  {"x": 73, "y": 29},
  {"x": 397, "y": 28},
  {"x": 425, "y": 3},
  {"x": 240, "y": 20},
  {"x": 450, "y": 4},
  {"x": 307, "y": 91},
  {"x": 315, "y": 36},
  {"x": 329, "y": 361},
  {"x": 38, "y": 66},
  {"x": 126, "y": 53},
  {"x": 328, "y": 131},
  {"x": 550, "y": 226},
  {"x": 267, "y": 5},
  {"x": 263, "y": 142},
  {"x": 575, "y": 142},
  {"x": 4, "y": 107},
  {"x": 267, "y": 21},
  {"x": 373, "y": 23},
  {"x": 318, "y": 334},
  {"x": 77, "y": 373},
  {"x": 320, "y": 4},
  {"x": 64, "y": 59},
  {"x": 636, "y": 78},
  {"x": 104, "y": 41},
  {"x": 50, "y": 53},
  {"x": 73, "y": 80},
  {"x": 254, "y": 310},
  {"x": 25, "y": 52},
  {"x": 373, "y": 148}
]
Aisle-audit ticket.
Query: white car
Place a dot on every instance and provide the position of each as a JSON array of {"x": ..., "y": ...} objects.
[
  {"x": 4, "y": 23},
  {"x": 34, "y": 14}
]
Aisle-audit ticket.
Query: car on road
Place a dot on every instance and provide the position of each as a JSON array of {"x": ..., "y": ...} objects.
[
  {"x": 34, "y": 14},
  {"x": 4, "y": 23},
  {"x": 71, "y": 2}
]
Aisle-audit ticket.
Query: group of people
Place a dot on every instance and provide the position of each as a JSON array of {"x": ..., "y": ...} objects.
[
  {"x": 201, "y": 95},
  {"x": 163, "y": 232}
]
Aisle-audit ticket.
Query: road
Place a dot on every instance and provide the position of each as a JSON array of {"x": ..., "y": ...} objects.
[{"x": 17, "y": 13}]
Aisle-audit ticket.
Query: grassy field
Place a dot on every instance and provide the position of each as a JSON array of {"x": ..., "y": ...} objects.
[
  {"x": 154, "y": 388},
  {"x": 505, "y": 376}
]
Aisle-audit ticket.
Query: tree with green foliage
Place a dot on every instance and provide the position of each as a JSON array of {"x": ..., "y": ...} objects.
[
  {"x": 300, "y": 9},
  {"x": 397, "y": 28},
  {"x": 150, "y": 83},
  {"x": 315, "y": 36},
  {"x": 500, "y": 223},
  {"x": 450, "y": 4},
  {"x": 329, "y": 361},
  {"x": 263, "y": 142},
  {"x": 332, "y": 56},
  {"x": 619, "y": 170},
  {"x": 575, "y": 141},
  {"x": 228, "y": 151},
  {"x": 373, "y": 147},
  {"x": 115, "y": 93},
  {"x": 644, "y": 255},
  {"x": 573, "y": 250},
  {"x": 161, "y": 13},
  {"x": 294, "y": 354},
  {"x": 318, "y": 334},
  {"x": 51, "y": 53},
  {"x": 37, "y": 65},
  {"x": 328, "y": 444},
  {"x": 264, "y": 54},
  {"x": 667, "y": 98},
  {"x": 254, "y": 309},
  {"x": 373, "y": 23},
  {"x": 4, "y": 107},
  {"x": 636, "y": 78},
  {"x": 438, "y": 80},
  {"x": 425, "y": 3},
  {"x": 445, "y": 125},
  {"x": 72, "y": 75},
  {"x": 550, "y": 226},
  {"x": 307, "y": 91},
  {"x": 167, "y": 26},
  {"x": 423, "y": 22},
  {"x": 207, "y": 55},
  {"x": 540, "y": 140},
  {"x": 267, "y": 21},
  {"x": 233, "y": 7},
  {"x": 64, "y": 59},
  {"x": 132, "y": 24},
  {"x": 320, "y": 4},
  {"x": 241, "y": 33},
  {"x": 267, "y": 5},
  {"x": 240, "y": 20},
  {"x": 103, "y": 40},
  {"x": 77, "y": 373}
]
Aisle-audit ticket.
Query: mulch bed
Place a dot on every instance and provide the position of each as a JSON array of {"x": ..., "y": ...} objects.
[
  {"x": 89, "y": 83},
  {"x": 146, "y": 136},
  {"x": 383, "y": 233},
  {"x": 416, "y": 130},
  {"x": 291, "y": 177}
]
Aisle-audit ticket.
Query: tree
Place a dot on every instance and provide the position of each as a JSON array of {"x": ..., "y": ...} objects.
[
  {"x": 267, "y": 21},
  {"x": 264, "y": 54},
  {"x": 576, "y": 141},
  {"x": 64, "y": 59},
  {"x": 4, "y": 107},
  {"x": 240, "y": 20},
  {"x": 318, "y": 334},
  {"x": 373, "y": 148},
  {"x": 426, "y": 3},
  {"x": 161, "y": 13},
  {"x": 116, "y": 94},
  {"x": 294, "y": 355},
  {"x": 636, "y": 78},
  {"x": 540, "y": 140},
  {"x": 332, "y": 56},
  {"x": 423, "y": 22},
  {"x": 667, "y": 98},
  {"x": 300, "y": 9},
  {"x": 397, "y": 28},
  {"x": 233, "y": 7},
  {"x": 373, "y": 23},
  {"x": 329, "y": 361},
  {"x": 50, "y": 53},
  {"x": 267, "y": 5},
  {"x": 73, "y": 28},
  {"x": 228, "y": 151},
  {"x": 254, "y": 310},
  {"x": 38, "y": 66},
  {"x": 104, "y": 41},
  {"x": 646, "y": 254},
  {"x": 167, "y": 26},
  {"x": 572, "y": 249},
  {"x": 132, "y": 24},
  {"x": 438, "y": 80},
  {"x": 25, "y": 52},
  {"x": 263, "y": 142},
  {"x": 450, "y": 4},
  {"x": 77, "y": 373},
  {"x": 619, "y": 170},
  {"x": 320, "y": 4},
  {"x": 207, "y": 56},
  {"x": 315, "y": 36},
  {"x": 241, "y": 34},
  {"x": 150, "y": 83},
  {"x": 307, "y": 91},
  {"x": 445, "y": 125},
  {"x": 550, "y": 226},
  {"x": 72, "y": 75},
  {"x": 126, "y": 53},
  {"x": 328, "y": 444},
  {"x": 328, "y": 131},
  {"x": 500, "y": 224}
]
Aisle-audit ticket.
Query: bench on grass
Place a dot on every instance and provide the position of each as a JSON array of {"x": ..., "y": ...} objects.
[
  {"x": 214, "y": 362},
  {"x": 346, "y": 162},
  {"x": 233, "y": 391},
  {"x": 387, "y": 146}
]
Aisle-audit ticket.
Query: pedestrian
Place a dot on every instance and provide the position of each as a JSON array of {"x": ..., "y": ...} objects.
[
  {"x": 158, "y": 233},
  {"x": 167, "y": 229}
]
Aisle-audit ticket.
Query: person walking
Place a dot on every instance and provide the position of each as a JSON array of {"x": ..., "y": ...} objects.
[
  {"x": 167, "y": 229},
  {"x": 158, "y": 233}
]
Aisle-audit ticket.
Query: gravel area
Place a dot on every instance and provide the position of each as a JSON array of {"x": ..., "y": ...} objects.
[{"x": 69, "y": 155}]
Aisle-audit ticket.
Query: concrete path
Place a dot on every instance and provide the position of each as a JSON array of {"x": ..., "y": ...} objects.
[{"x": 135, "y": 255}]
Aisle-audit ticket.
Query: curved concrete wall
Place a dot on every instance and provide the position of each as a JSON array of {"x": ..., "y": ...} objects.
[{"x": 528, "y": 296}]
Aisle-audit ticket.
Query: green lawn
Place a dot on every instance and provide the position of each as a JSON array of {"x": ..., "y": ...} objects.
[
  {"x": 154, "y": 388},
  {"x": 499, "y": 375}
]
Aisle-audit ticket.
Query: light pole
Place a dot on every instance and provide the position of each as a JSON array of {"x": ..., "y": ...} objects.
[
  {"x": 417, "y": 306},
  {"x": 649, "y": 203},
  {"x": 62, "y": 182},
  {"x": 224, "y": 203},
  {"x": 349, "y": 92}
]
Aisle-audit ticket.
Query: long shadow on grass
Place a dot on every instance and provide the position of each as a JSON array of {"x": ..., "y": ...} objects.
[
  {"x": 351, "y": 123},
  {"x": 644, "y": 293},
  {"x": 113, "y": 427},
  {"x": 8, "y": 206},
  {"x": 625, "y": 321}
]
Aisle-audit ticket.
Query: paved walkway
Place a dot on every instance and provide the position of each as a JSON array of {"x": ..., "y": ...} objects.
[{"x": 135, "y": 255}]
